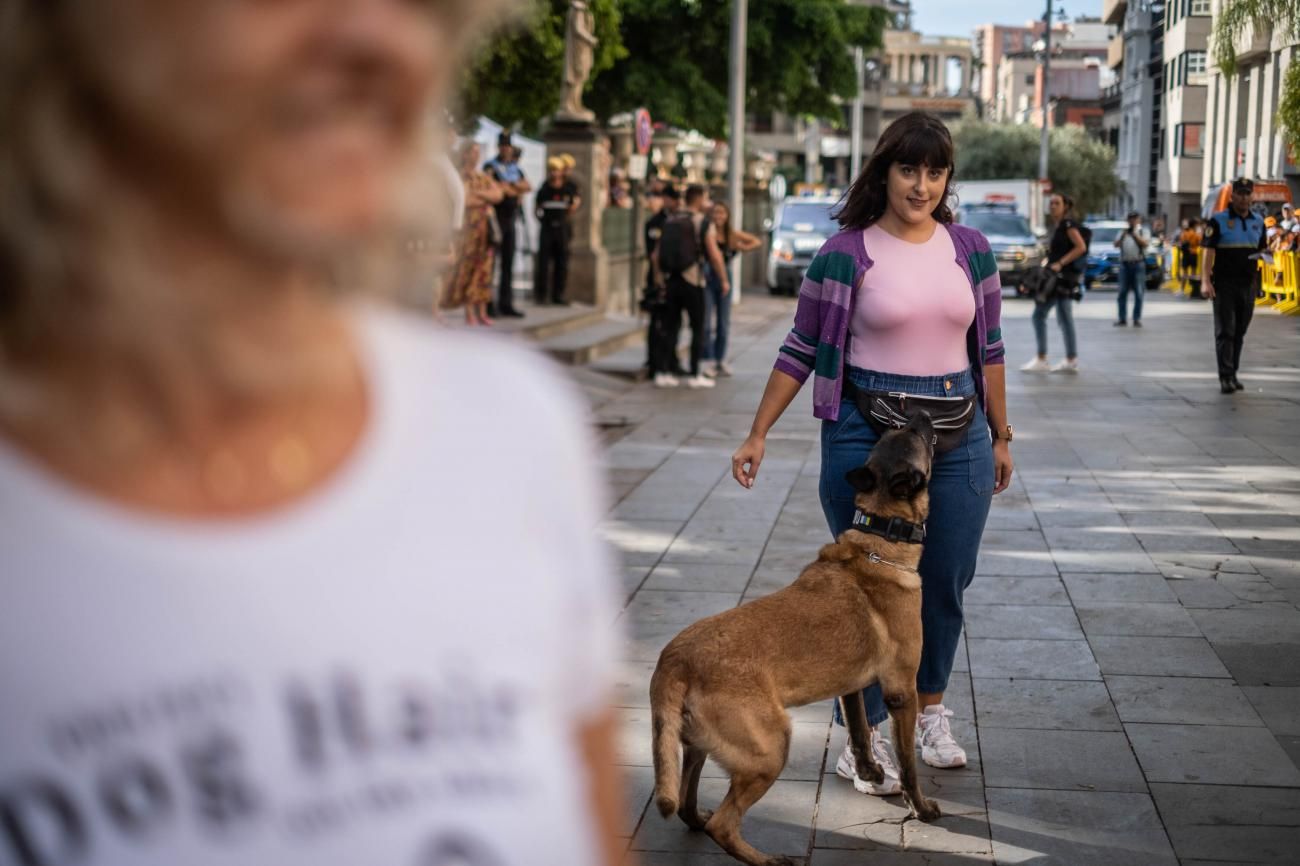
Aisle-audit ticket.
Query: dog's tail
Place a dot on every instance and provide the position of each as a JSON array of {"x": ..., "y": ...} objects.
[{"x": 667, "y": 699}]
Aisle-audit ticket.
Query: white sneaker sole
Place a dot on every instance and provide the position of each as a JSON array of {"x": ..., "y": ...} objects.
[{"x": 933, "y": 760}]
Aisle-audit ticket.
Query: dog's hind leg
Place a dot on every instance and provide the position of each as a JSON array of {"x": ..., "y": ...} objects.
[
  {"x": 855, "y": 717},
  {"x": 691, "y": 767},
  {"x": 902, "y": 703},
  {"x": 750, "y": 780}
]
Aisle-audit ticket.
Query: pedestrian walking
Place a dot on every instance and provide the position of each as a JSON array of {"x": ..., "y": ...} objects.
[
  {"x": 556, "y": 201},
  {"x": 470, "y": 285},
  {"x": 505, "y": 170},
  {"x": 717, "y": 302},
  {"x": 1132, "y": 244},
  {"x": 890, "y": 301},
  {"x": 249, "y": 569},
  {"x": 1065, "y": 253},
  {"x": 687, "y": 241},
  {"x": 1233, "y": 239},
  {"x": 661, "y": 353}
]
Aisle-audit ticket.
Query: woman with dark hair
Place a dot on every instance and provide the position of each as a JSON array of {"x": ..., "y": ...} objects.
[
  {"x": 1066, "y": 250},
  {"x": 717, "y": 299},
  {"x": 903, "y": 301}
]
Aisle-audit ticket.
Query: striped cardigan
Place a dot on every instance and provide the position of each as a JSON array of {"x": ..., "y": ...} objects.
[{"x": 826, "y": 297}]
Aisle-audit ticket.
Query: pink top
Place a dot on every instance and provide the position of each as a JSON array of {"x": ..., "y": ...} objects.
[{"x": 913, "y": 309}]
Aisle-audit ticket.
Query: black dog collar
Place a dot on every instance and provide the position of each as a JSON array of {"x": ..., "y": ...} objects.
[{"x": 889, "y": 528}]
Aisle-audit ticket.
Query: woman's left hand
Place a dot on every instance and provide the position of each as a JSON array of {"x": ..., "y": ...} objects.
[
  {"x": 1003, "y": 465},
  {"x": 1056, "y": 266}
]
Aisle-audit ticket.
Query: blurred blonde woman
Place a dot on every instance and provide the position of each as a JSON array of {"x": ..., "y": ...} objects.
[
  {"x": 470, "y": 285},
  {"x": 247, "y": 573}
]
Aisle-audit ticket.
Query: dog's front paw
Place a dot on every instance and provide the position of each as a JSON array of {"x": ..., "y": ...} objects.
[
  {"x": 868, "y": 770},
  {"x": 926, "y": 810}
]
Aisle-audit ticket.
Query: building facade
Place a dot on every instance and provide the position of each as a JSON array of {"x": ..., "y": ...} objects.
[
  {"x": 992, "y": 43},
  {"x": 926, "y": 73},
  {"x": 1241, "y": 138},
  {"x": 1128, "y": 56},
  {"x": 1179, "y": 188}
]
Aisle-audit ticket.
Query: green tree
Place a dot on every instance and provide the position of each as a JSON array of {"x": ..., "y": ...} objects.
[
  {"x": 1235, "y": 20},
  {"x": 516, "y": 78},
  {"x": 1078, "y": 164},
  {"x": 671, "y": 56}
]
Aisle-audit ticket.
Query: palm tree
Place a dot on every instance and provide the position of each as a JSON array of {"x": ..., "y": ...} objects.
[{"x": 1233, "y": 20}]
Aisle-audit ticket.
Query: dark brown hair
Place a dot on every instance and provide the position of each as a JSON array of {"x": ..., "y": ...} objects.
[
  {"x": 1067, "y": 200},
  {"x": 917, "y": 138},
  {"x": 726, "y": 224}
]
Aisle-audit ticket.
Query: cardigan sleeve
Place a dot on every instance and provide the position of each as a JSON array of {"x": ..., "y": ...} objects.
[
  {"x": 989, "y": 287},
  {"x": 797, "y": 356}
]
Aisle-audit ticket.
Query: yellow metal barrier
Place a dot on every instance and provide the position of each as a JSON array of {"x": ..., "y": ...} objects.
[
  {"x": 1184, "y": 282},
  {"x": 1278, "y": 283}
]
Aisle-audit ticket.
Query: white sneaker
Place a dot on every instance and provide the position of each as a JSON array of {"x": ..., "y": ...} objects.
[
  {"x": 708, "y": 368},
  {"x": 1066, "y": 365},
  {"x": 700, "y": 381},
  {"x": 724, "y": 369},
  {"x": 938, "y": 748},
  {"x": 1036, "y": 365},
  {"x": 666, "y": 380},
  {"x": 881, "y": 749}
]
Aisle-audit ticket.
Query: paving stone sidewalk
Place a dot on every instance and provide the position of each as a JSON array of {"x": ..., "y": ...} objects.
[{"x": 1128, "y": 689}]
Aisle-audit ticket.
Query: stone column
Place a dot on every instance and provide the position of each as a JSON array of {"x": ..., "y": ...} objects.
[
  {"x": 1230, "y": 154},
  {"x": 588, "y": 281},
  {"x": 1213, "y": 136},
  {"x": 1264, "y": 158},
  {"x": 1253, "y": 97}
]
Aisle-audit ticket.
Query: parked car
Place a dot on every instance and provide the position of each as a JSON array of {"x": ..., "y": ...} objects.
[
  {"x": 1102, "y": 264},
  {"x": 1015, "y": 246},
  {"x": 800, "y": 227}
]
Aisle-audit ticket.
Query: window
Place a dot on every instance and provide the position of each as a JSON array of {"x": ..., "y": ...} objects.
[
  {"x": 1200, "y": 7},
  {"x": 1194, "y": 67},
  {"x": 1187, "y": 140}
]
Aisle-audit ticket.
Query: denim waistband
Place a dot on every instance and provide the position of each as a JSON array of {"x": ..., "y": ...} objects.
[{"x": 958, "y": 384}]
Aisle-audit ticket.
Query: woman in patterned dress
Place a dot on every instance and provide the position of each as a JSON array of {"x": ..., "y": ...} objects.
[{"x": 470, "y": 285}]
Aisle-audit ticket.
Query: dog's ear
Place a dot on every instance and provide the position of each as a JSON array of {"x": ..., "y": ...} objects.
[
  {"x": 906, "y": 484},
  {"x": 861, "y": 478}
]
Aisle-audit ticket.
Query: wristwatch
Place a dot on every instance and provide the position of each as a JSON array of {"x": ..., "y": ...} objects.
[{"x": 1007, "y": 436}]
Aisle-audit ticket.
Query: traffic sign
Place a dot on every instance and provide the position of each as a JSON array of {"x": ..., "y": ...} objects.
[{"x": 644, "y": 130}]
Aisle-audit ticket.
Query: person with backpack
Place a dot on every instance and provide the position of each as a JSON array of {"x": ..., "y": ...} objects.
[
  {"x": 1064, "y": 259},
  {"x": 687, "y": 240},
  {"x": 655, "y": 300}
]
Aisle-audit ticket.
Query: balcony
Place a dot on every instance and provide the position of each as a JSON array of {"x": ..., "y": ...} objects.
[
  {"x": 1112, "y": 11},
  {"x": 1115, "y": 51},
  {"x": 1254, "y": 43}
]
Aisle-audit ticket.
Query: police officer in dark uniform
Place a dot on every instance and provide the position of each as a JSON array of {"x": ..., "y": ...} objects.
[{"x": 1231, "y": 277}]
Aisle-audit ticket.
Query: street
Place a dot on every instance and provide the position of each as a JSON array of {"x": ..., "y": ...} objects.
[{"x": 1129, "y": 686}]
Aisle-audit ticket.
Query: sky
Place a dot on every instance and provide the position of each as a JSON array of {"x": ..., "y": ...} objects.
[{"x": 961, "y": 17}]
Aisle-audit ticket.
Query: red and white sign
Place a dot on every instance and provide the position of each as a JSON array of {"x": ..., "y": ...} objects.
[{"x": 644, "y": 130}]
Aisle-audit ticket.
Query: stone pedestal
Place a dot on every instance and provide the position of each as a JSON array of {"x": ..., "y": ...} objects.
[{"x": 588, "y": 281}]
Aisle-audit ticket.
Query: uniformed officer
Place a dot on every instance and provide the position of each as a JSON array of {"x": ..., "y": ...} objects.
[{"x": 1231, "y": 277}]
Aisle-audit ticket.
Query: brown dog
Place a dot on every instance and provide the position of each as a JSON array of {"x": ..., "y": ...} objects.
[{"x": 851, "y": 618}]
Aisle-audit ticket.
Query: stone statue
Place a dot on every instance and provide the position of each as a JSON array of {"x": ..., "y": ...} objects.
[{"x": 579, "y": 54}]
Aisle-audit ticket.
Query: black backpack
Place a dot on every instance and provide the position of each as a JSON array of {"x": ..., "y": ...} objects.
[{"x": 680, "y": 248}]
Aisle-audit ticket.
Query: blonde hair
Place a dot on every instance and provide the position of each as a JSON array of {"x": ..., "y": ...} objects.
[{"x": 69, "y": 266}]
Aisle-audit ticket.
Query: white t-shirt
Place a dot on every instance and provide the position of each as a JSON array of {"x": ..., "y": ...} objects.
[{"x": 389, "y": 673}]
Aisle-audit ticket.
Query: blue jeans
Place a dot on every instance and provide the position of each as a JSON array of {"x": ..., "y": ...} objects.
[
  {"x": 1132, "y": 277},
  {"x": 961, "y": 491},
  {"x": 717, "y": 318},
  {"x": 1065, "y": 316}
]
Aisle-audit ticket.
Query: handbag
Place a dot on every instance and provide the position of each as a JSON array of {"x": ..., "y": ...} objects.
[
  {"x": 891, "y": 410},
  {"x": 495, "y": 235}
]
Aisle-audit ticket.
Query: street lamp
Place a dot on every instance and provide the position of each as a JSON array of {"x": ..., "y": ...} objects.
[{"x": 1048, "y": 16}]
